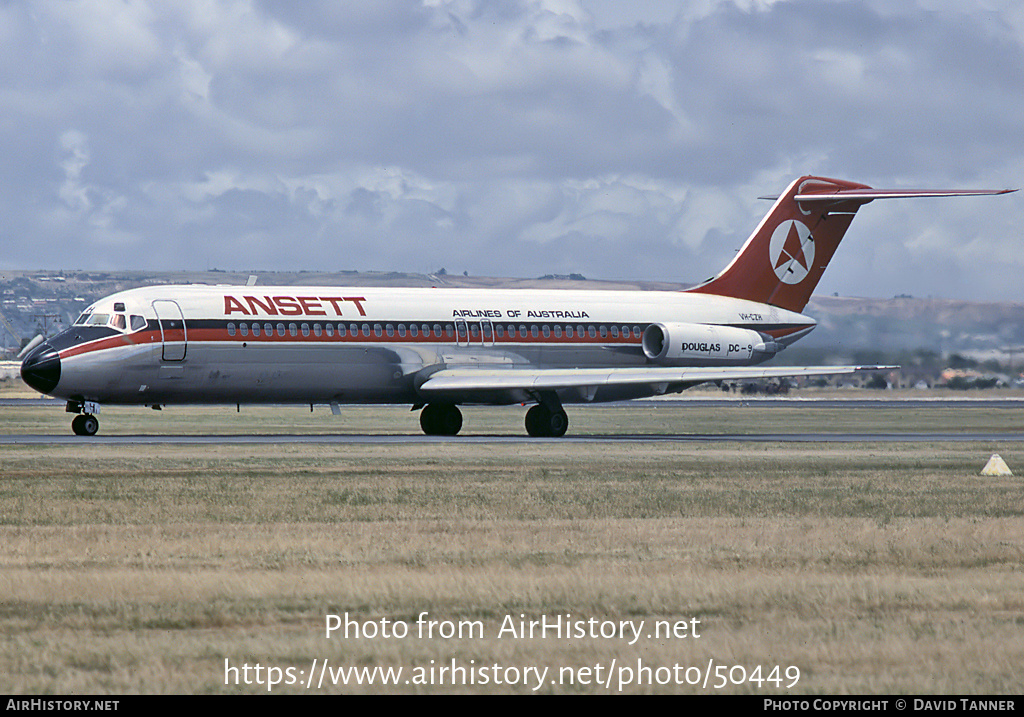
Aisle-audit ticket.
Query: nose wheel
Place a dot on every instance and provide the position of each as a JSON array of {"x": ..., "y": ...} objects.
[{"x": 85, "y": 425}]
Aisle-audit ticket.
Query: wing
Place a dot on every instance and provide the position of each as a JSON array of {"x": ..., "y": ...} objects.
[{"x": 470, "y": 385}]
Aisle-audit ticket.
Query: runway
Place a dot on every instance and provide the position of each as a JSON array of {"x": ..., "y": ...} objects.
[
  {"x": 752, "y": 402},
  {"x": 416, "y": 438}
]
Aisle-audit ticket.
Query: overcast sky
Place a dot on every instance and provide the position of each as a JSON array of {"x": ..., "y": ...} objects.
[{"x": 508, "y": 138}]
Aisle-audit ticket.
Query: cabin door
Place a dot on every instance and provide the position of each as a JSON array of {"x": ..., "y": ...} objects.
[{"x": 172, "y": 329}]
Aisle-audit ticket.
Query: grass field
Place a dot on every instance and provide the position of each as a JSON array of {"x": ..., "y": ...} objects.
[{"x": 870, "y": 568}]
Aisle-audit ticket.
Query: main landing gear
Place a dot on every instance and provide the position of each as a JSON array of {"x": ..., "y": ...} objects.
[
  {"x": 84, "y": 424},
  {"x": 441, "y": 419},
  {"x": 545, "y": 420}
]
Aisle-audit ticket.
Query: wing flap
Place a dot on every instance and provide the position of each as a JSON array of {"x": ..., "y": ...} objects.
[{"x": 468, "y": 381}]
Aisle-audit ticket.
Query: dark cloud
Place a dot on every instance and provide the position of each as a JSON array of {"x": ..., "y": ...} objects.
[{"x": 517, "y": 137}]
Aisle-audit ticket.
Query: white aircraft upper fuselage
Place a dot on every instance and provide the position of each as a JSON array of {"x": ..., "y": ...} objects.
[{"x": 441, "y": 347}]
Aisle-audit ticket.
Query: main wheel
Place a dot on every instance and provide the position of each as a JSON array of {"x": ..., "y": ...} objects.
[
  {"x": 85, "y": 425},
  {"x": 542, "y": 422},
  {"x": 441, "y": 419}
]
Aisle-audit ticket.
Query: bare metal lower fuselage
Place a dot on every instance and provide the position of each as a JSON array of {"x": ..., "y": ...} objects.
[{"x": 252, "y": 373}]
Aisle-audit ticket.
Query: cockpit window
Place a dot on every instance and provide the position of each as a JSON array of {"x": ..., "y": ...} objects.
[
  {"x": 98, "y": 319},
  {"x": 138, "y": 322},
  {"x": 84, "y": 318},
  {"x": 119, "y": 322}
]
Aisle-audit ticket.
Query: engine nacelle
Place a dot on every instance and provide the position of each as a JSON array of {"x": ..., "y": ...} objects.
[{"x": 721, "y": 345}]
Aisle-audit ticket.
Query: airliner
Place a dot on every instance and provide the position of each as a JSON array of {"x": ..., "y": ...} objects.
[{"x": 436, "y": 349}]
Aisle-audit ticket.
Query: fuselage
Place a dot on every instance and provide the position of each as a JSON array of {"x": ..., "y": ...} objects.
[{"x": 199, "y": 344}]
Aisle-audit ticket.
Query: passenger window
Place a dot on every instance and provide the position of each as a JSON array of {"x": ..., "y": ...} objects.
[
  {"x": 414, "y": 330},
  {"x": 316, "y": 330},
  {"x": 293, "y": 329},
  {"x": 280, "y": 329},
  {"x": 231, "y": 329},
  {"x": 244, "y": 329},
  {"x": 255, "y": 329},
  {"x": 305, "y": 330},
  {"x": 330, "y": 329}
]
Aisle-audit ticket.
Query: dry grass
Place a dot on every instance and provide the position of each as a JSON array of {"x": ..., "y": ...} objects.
[{"x": 874, "y": 568}]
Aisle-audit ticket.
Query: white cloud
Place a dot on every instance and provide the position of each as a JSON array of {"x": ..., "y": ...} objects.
[{"x": 72, "y": 192}]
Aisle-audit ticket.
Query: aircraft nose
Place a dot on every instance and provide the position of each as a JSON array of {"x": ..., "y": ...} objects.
[{"x": 41, "y": 368}]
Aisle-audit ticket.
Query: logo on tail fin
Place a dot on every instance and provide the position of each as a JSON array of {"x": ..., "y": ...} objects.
[{"x": 791, "y": 251}]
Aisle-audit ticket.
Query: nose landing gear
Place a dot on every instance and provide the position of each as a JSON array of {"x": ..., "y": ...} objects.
[{"x": 84, "y": 424}]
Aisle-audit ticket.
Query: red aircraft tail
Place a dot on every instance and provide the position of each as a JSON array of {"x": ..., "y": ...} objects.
[{"x": 786, "y": 255}]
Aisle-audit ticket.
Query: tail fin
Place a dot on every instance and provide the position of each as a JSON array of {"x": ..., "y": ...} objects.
[{"x": 784, "y": 258}]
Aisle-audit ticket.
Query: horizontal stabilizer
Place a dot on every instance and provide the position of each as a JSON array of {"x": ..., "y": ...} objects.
[{"x": 867, "y": 195}]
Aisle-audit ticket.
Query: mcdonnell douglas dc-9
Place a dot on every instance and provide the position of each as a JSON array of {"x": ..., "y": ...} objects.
[{"x": 436, "y": 349}]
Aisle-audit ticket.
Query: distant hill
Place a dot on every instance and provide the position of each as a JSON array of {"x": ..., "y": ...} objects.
[{"x": 943, "y": 325}]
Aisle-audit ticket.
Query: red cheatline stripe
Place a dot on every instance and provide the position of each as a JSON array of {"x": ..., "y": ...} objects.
[
  {"x": 110, "y": 342},
  {"x": 199, "y": 336}
]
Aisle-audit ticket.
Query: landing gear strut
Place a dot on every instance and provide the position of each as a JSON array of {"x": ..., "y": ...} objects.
[
  {"x": 441, "y": 419},
  {"x": 543, "y": 421}
]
